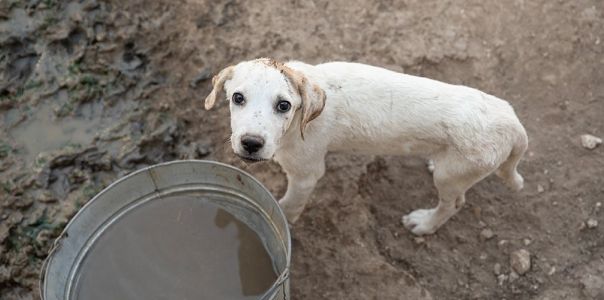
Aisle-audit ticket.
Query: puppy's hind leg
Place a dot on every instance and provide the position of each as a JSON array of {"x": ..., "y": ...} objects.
[
  {"x": 453, "y": 176},
  {"x": 508, "y": 170}
]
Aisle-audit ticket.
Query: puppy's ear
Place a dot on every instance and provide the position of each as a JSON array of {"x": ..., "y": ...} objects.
[
  {"x": 312, "y": 104},
  {"x": 218, "y": 86},
  {"x": 313, "y": 97}
]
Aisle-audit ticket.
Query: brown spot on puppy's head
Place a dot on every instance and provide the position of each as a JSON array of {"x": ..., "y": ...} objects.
[{"x": 312, "y": 96}]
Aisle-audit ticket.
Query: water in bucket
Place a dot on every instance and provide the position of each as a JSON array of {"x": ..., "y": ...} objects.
[{"x": 180, "y": 247}]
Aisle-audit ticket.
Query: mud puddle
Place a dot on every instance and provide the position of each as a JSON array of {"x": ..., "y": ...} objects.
[{"x": 42, "y": 131}]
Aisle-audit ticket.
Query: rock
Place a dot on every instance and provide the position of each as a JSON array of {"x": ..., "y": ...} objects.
[
  {"x": 526, "y": 241},
  {"x": 419, "y": 240},
  {"x": 202, "y": 150},
  {"x": 540, "y": 189},
  {"x": 592, "y": 223},
  {"x": 593, "y": 286},
  {"x": 477, "y": 212},
  {"x": 590, "y": 142},
  {"x": 520, "y": 261},
  {"x": 501, "y": 279},
  {"x": 486, "y": 234},
  {"x": 513, "y": 276},
  {"x": 43, "y": 236},
  {"x": 461, "y": 239},
  {"x": 100, "y": 33},
  {"x": 497, "y": 269}
]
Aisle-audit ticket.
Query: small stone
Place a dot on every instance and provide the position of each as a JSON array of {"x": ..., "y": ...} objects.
[
  {"x": 551, "y": 271},
  {"x": 540, "y": 189},
  {"x": 419, "y": 240},
  {"x": 477, "y": 212},
  {"x": 520, "y": 261},
  {"x": 598, "y": 206},
  {"x": 501, "y": 279},
  {"x": 513, "y": 276},
  {"x": 486, "y": 234},
  {"x": 44, "y": 236},
  {"x": 202, "y": 150},
  {"x": 46, "y": 197},
  {"x": 164, "y": 106},
  {"x": 526, "y": 242},
  {"x": 497, "y": 269},
  {"x": 483, "y": 256},
  {"x": 482, "y": 224},
  {"x": 461, "y": 239},
  {"x": 592, "y": 223},
  {"x": 592, "y": 285},
  {"x": 590, "y": 142}
]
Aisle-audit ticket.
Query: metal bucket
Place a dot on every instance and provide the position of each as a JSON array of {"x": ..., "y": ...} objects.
[{"x": 238, "y": 192}]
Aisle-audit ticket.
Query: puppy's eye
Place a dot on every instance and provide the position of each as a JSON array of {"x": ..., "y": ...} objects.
[
  {"x": 238, "y": 98},
  {"x": 283, "y": 106}
]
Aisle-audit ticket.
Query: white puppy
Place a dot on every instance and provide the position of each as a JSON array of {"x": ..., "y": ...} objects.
[{"x": 295, "y": 113}]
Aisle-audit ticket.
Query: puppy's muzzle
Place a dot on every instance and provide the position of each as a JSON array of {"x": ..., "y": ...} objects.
[{"x": 252, "y": 144}]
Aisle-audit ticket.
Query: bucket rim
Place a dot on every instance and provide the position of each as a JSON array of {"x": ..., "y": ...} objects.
[{"x": 282, "y": 277}]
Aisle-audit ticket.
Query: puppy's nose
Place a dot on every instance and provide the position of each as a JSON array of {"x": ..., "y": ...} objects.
[{"x": 252, "y": 144}]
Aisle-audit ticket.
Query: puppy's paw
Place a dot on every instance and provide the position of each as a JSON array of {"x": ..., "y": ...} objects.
[
  {"x": 512, "y": 179},
  {"x": 419, "y": 222},
  {"x": 517, "y": 183},
  {"x": 430, "y": 166}
]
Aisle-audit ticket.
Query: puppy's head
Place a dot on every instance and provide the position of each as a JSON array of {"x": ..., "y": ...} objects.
[{"x": 266, "y": 97}]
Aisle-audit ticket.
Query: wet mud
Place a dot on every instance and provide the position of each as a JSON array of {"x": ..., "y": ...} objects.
[{"x": 93, "y": 90}]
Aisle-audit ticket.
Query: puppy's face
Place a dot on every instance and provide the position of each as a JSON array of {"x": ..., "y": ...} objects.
[
  {"x": 265, "y": 98},
  {"x": 262, "y": 105}
]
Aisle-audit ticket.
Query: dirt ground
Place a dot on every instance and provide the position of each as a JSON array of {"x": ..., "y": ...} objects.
[{"x": 92, "y": 90}]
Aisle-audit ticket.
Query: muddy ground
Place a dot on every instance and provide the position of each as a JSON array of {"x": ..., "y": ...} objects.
[{"x": 92, "y": 90}]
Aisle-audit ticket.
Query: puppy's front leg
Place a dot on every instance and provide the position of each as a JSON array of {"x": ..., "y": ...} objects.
[{"x": 301, "y": 181}]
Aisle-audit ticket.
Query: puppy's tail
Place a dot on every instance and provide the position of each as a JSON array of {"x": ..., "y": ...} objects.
[{"x": 508, "y": 169}]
